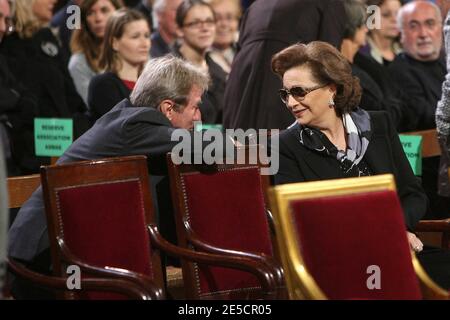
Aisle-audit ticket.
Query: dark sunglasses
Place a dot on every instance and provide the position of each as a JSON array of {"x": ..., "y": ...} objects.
[{"x": 298, "y": 93}]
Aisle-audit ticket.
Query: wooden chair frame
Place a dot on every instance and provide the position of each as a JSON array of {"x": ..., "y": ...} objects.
[
  {"x": 187, "y": 237},
  {"x": 134, "y": 167}
]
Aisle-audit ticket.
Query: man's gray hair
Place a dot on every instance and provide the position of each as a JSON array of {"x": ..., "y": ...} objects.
[
  {"x": 407, "y": 7},
  {"x": 167, "y": 78},
  {"x": 159, "y": 5}
]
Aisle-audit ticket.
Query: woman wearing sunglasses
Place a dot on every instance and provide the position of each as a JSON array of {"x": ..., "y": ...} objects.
[{"x": 332, "y": 137}]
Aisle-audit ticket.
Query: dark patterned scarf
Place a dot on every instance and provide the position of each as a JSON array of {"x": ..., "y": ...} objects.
[{"x": 357, "y": 127}]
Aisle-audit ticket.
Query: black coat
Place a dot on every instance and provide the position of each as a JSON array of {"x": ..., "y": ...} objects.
[
  {"x": 17, "y": 111},
  {"x": 104, "y": 92},
  {"x": 374, "y": 99},
  {"x": 421, "y": 83},
  {"x": 384, "y": 155},
  {"x": 39, "y": 64},
  {"x": 251, "y": 96}
]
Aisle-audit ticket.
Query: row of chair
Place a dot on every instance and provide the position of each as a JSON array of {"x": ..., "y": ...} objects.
[
  {"x": 114, "y": 196},
  {"x": 225, "y": 232}
]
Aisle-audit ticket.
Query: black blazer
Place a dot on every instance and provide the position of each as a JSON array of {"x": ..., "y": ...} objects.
[
  {"x": 104, "y": 92},
  {"x": 421, "y": 85},
  {"x": 384, "y": 155}
]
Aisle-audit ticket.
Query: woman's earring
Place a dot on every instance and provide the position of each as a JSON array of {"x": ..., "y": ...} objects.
[{"x": 331, "y": 102}]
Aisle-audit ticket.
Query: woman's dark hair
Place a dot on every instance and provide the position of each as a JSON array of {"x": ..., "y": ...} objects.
[
  {"x": 115, "y": 28},
  {"x": 187, "y": 5},
  {"x": 356, "y": 17},
  {"x": 83, "y": 40},
  {"x": 327, "y": 65}
]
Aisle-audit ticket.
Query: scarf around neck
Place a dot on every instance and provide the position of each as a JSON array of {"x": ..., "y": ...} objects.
[{"x": 358, "y": 131}]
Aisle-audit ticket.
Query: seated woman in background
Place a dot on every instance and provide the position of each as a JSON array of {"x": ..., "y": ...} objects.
[
  {"x": 86, "y": 42},
  {"x": 383, "y": 44},
  {"x": 228, "y": 13},
  {"x": 125, "y": 51},
  {"x": 35, "y": 58},
  {"x": 333, "y": 138},
  {"x": 373, "y": 96},
  {"x": 197, "y": 25}
]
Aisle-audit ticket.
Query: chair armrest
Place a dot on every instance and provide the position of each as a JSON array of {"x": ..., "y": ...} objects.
[
  {"x": 124, "y": 287},
  {"x": 433, "y": 226},
  {"x": 261, "y": 271},
  {"x": 141, "y": 280},
  {"x": 274, "y": 267}
]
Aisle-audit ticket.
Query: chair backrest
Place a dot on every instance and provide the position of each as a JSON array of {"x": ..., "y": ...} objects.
[
  {"x": 344, "y": 239},
  {"x": 21, "y": 188},
  {"x": 430, "y": 144},
  {"x": 100, "y": 210},
  {"x": 224, "y": 207}
]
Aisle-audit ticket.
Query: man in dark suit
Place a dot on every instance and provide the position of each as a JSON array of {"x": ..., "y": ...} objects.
[
  {"x": 268, "y": 26},
  {"x": 165, "y": 36},
  {"x": 420, "y": 72},
  {"x": 166, "y": 97},
  {"x": 420, "y": 69}
]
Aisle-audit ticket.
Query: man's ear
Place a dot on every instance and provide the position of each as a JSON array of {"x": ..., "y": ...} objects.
[{"x": 166, "y": 107}]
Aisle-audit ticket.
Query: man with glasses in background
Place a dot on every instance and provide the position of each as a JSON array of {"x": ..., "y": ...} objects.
[{"x": 419, "y": 72}]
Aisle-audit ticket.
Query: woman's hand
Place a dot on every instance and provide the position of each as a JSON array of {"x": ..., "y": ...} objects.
[{"x": 414, "y": 242}]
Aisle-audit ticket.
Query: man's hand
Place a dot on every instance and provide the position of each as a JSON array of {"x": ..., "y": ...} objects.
[{"x": 414, "y": 242}]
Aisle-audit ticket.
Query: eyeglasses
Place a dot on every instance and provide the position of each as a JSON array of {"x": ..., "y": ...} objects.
[
  {"x": 298, "y": 93},
  {"x": 197, "y": 24}
]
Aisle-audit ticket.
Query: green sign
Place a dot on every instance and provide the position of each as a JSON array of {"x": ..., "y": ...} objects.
[
  {"x": 52, "y": 136},
  {"x": 412, "y": 145},
  {"x": 202, "y": 126}
]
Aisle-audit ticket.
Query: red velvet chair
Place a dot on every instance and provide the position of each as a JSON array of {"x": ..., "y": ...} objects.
[
  {"x": 222, "y": 209},
  {"x": 346, "y": 239},
  {"x": 100, "y": 217},
  {"x": 97, "y": 212}
]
